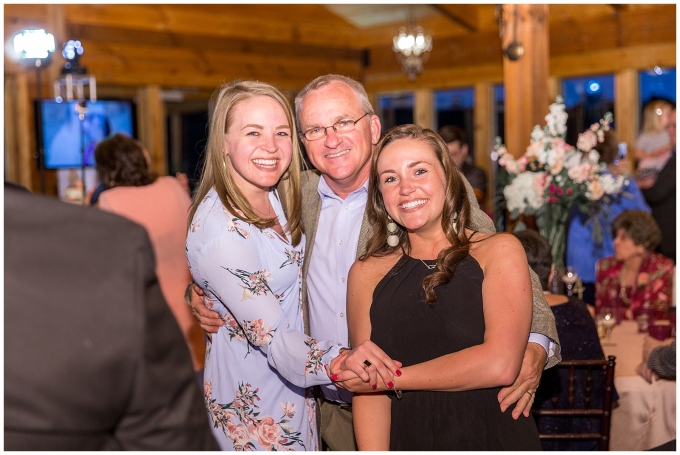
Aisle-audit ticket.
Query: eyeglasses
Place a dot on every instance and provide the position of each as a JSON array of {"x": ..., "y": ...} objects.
[{"x": 343, "y": 126}]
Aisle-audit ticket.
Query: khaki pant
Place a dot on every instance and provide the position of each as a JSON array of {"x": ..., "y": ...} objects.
[{"x": 336, "y": 426}]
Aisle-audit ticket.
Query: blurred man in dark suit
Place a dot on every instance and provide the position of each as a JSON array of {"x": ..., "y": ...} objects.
[{"x": 94, "y": 359}]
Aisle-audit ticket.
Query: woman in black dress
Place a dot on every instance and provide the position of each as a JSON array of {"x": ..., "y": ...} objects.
[{"x": 454, "y": 306}]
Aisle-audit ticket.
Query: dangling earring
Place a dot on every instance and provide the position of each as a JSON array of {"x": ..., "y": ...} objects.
[{"x": 392, "y": 238}]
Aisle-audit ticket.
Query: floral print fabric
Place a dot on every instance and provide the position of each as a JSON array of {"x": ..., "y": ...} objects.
[
  {"x": 654, "y": 285},
  {"x": 260, "y": 362}
]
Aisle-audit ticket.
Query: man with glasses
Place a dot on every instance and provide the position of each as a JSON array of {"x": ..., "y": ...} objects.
[{"x": 339, "y": 131}]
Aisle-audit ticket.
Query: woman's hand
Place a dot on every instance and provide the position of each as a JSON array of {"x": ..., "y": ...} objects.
[
  {"x": 364, "y": 362},
  {"x": 209, "y": 320}
]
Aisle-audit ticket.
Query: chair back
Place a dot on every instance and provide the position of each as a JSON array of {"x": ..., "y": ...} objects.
[{"x": 587, "y": 382}]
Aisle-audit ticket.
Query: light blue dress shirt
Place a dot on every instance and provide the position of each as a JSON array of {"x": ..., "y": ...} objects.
[{"x": 333, "y": 253}]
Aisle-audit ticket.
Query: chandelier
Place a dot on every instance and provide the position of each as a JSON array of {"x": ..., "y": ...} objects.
[{"x": 412, "y": 48}]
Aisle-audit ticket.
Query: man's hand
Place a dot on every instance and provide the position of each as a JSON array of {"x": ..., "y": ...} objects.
[
  {"x": 524, "y": 388},
  {"x": 209, "y": 320},
  {"x": 651, "y": 344},
  {"x": 647, "y": 374}
]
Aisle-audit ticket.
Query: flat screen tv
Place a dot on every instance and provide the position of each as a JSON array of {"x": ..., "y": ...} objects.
[{"x": 65, "y": 137}]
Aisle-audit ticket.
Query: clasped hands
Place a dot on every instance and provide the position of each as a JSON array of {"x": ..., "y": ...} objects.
[{"x": 349, "y": 370}]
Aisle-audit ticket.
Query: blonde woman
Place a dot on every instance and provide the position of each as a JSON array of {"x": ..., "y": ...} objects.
[
  {"x": 653, "y": 146},
  {"x": 245, "y": 249}
]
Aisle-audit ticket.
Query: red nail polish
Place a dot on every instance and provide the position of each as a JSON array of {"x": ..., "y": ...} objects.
[
  {"x": 334, "y": 377},
  {"x": 398, "y": 372},
  {"x": 390, "y": 385},
  {"x": 374, "y": 386}
]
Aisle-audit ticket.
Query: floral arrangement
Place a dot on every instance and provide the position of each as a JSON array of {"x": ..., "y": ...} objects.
[{"x": 552, "y": 176}]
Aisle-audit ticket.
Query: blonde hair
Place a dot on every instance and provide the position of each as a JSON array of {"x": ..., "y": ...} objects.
[
  {"x": 651, "y": 121},
  {"x": 216, "y": 173}
]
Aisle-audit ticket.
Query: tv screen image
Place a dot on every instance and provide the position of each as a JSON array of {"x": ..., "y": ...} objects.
[{"x": 64, "y": 136}]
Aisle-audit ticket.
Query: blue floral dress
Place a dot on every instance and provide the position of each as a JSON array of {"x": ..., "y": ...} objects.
[{"x": 260, "y": 363}]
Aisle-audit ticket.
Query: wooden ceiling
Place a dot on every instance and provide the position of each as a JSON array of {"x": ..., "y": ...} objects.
[{"x": 197, "y": 47}]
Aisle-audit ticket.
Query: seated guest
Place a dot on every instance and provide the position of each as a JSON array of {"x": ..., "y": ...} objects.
[
  {"x": 578, "y": 335},
  {"x": 456, "y": 142},
  {"x": 635, "y": 276},
  {"x": 161, "y": 205},
  {"x": 582, "y": 251},
  {"x": 94, "y": 359},
  {"x": 658, "y": 359}
]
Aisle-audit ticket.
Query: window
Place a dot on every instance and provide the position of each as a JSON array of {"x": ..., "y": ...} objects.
[
  {"x": 586, "y": 100},
  {"x": 657, "y": 83},
  {"x": 456, "y": 107},
  {"x": 395, "y": 110}
]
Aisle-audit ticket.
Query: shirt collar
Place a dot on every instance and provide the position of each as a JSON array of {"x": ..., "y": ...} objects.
[{"x": 326, "y": 191}]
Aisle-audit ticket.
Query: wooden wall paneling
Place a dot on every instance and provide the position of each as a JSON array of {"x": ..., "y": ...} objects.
[
  {"x": 526, "y": 87},
  {"x": 435, "y": 78},
  {"x": 614, "y": 60},
  {"x": 11, "y": 136},
  {"x": 627, "y": 108},
  {"x": 484, "y": 127},
  {"x": 56, "y": 25},
  {"x": 175, "y": 142},
  {"x": 151, "y": 126},
  {"x": 21, "y": 132},
  {"x": 423, "y": 108},
  {"x": 554, "y": 89}
]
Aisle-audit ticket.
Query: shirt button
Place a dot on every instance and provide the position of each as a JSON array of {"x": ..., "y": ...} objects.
[
  {"x": 347, "y": 207},
  {"x": 342, "y": 279},
  {"x": 341, "y": 242},
  {"x": 342, "y": 315}
]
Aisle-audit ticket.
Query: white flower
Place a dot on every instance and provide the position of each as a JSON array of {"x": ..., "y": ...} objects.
[
  {"x": 556, "y": 120},
  {"x": 611, "y": 184},
  {"x": 523, "y": 192},
  {"x": 594, "y": 157},
  {"x": 580, "y": 173},
  {"x": 595, "y": 190},
  {"x": 537, "y": 134}
]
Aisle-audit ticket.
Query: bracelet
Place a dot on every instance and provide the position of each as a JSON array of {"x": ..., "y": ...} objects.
[
  {"x": 187, "y": 293},
  {"x": 398, "y": 393}
]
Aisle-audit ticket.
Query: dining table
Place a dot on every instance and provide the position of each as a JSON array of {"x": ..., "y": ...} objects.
[{"x": 644, "y": 416}]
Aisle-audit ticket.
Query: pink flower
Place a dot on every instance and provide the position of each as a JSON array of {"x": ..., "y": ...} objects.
[
  {"x": 643, "y": 278},
  {"x": 587, "y": 140},
  {"x": 580, "y": 173},
  {"x": 238, "y": 434},
  {"x": 569, "y": 191},
  {"x": 559, "y": 191},
  {"x": 288, "y": 409},
  {"x": 266, "y": 432}
]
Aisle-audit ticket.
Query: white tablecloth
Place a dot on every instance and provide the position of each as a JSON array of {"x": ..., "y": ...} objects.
[{"x": 645, "y": 416}]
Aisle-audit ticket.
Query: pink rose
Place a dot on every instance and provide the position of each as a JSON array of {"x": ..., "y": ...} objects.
[
  {"x": 266, "y": 432},
  {"x": 238, "y": 434}
]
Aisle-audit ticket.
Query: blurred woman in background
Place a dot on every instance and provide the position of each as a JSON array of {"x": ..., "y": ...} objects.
[
  {"x": 635, "y": 277},
  {"x": 582, "y": 251},
  {"x": 161, "y": 205}
]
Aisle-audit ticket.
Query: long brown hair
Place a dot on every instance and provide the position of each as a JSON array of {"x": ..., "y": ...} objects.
[
  {"x": 215, "y": 171},
  {"x": 456, "y": 209}
]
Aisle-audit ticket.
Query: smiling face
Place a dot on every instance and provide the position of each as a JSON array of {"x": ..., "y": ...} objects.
[
  {"x": 258, "y": 144},
  {"x": 412, "y": 184},
  {"x": 343, "y": 159}
]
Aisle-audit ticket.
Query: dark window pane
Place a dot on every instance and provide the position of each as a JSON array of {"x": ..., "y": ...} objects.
[
  {"x": 586, "y": 100},
  {"x": 456, "y": 107},
  {"x": 395, "y": 110},
  {"x": 657, "y": 83}
]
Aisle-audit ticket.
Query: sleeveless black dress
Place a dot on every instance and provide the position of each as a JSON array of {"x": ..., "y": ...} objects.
[{"x": 408, "y": 330}]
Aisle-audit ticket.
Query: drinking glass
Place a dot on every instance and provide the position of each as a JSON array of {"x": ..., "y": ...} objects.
[
  {"x": 569, "y": 277},
  {"x": 608, "y": 320}
]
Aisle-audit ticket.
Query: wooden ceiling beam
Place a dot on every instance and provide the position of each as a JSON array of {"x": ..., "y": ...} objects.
[
  {"x": 464, "y": 15},
  {"x": 116, "y": 35}
]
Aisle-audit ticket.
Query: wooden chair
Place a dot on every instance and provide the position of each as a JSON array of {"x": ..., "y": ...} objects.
[{"x": 606, "y": 384}]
